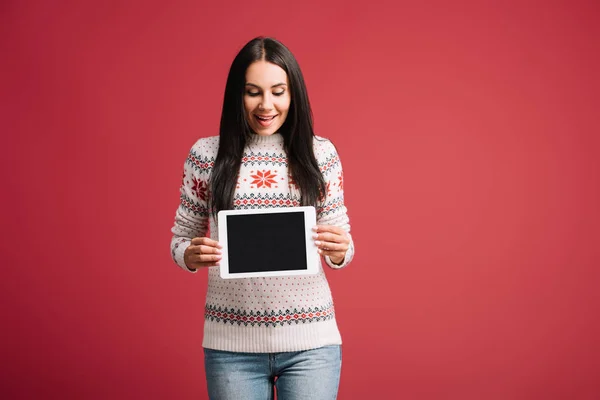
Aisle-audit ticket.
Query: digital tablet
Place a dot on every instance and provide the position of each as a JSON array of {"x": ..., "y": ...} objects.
[{"x": 268, "y": 242}]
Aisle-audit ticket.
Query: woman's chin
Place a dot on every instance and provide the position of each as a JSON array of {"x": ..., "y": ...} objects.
[{"x": 265, "y": 132}]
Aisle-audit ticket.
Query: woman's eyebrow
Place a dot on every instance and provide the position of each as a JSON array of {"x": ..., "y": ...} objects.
[{"x": 274, "y": 86}]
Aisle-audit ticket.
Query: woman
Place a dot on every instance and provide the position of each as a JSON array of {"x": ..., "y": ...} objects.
[{"x": 266, "y": 151}]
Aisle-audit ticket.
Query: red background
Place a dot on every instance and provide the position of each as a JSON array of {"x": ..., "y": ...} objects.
[{"x": 469, "y": 137}]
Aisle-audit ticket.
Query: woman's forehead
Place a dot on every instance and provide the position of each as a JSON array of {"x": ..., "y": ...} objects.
[{"x": 265, "y": 74}]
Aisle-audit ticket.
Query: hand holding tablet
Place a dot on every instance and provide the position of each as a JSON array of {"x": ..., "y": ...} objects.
[
  {"x": 202, "y": 252},
  {"x": 332, "y": 241}
]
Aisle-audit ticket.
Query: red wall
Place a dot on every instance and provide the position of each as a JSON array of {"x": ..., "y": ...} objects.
[{"x": 470, "y": 141}]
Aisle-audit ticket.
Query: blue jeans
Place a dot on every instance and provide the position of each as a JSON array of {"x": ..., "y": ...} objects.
[{"x": 311, "y": 374}]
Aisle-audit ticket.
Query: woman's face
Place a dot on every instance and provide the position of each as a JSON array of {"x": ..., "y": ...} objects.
[{"x": 266, "y": 97}]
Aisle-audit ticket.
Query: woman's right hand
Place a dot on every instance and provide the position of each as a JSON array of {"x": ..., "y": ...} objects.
[{"x": 203, "y": 252}]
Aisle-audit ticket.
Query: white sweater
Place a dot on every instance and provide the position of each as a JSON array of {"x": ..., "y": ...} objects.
[{"x": 262, "y": 315}]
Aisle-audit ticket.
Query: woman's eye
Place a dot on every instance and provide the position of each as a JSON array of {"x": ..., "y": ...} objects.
[
  {"x": 252, "y": 94},
  {"x": 279, "y": 93}
]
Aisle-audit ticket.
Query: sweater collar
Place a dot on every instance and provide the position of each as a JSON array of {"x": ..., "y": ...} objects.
[{"x": 266, "y": 139}]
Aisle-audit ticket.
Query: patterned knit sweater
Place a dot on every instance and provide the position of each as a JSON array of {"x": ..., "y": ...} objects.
[{"x": 262, "y": 315}]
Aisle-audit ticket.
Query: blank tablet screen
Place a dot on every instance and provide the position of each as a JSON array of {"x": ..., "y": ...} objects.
[{"x": 266, "y": 242}]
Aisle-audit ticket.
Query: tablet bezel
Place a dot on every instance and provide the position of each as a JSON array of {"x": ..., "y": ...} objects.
[{"x": 312, "y": 255}]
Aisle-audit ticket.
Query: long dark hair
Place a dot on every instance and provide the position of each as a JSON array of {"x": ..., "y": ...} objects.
[{"x": 297, "y": 130}]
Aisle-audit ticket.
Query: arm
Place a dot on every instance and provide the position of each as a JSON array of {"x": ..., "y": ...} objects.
[
  {"x": 333, "y": 224},
  {"x": 191, "y": 218}
]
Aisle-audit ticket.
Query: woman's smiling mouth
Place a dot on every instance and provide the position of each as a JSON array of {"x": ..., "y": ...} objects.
[{"x": 265, "y": 120}]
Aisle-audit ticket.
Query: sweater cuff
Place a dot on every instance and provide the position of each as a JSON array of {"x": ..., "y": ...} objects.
[{"x": 178, "y": 253}]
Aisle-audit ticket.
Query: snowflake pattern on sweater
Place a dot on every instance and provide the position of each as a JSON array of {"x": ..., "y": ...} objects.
[{"x": 262, "y": 314}]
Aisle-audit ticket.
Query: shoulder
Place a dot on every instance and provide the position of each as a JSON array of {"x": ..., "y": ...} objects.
[
  {"x": 326, "y": 155},
  {"x": 323, "y": 148},
  {"x": 206, "y": 146},
  {"x": 203, "y": 153}
]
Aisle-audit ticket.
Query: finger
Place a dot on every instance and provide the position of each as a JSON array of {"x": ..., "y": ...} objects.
[
  {"x": 206, "y": 242},
  {"x": 206, "y": 258},
  {"x": 202, "y": 249},
  {"x": 332, "y": 246},
  {"x": 209, "y": 250},
  {"x": 332, "y": 237},
  {"x": 201, "y": 258},
  {"x": 197, "y": 265},
  {"x": 329, "y": 228},
  {"x": 210, "y": 257},
  {"x": 194, "y": 249}
]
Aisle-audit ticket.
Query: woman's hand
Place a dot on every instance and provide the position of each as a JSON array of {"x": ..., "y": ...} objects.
[
  {"x": 332, "y": 241},
  {"x": 203, "y": 252}
]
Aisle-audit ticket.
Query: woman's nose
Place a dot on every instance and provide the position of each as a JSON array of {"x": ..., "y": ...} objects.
[{"x": 266, "y": 103}]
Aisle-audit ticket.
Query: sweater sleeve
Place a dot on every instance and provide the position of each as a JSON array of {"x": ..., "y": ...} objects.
[
  {"x": 331, "y": 209},
  {"x": 191, "y": 217}
]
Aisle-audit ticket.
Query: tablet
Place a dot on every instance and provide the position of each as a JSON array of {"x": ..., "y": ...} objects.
[{"x": 268, "y": 242}]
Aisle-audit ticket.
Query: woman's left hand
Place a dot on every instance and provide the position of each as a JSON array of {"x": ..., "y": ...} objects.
[{"x": 332, "y": 241}]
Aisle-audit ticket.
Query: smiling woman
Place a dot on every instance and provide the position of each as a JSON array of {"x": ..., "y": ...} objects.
[{"x": 269, "y": 332}]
